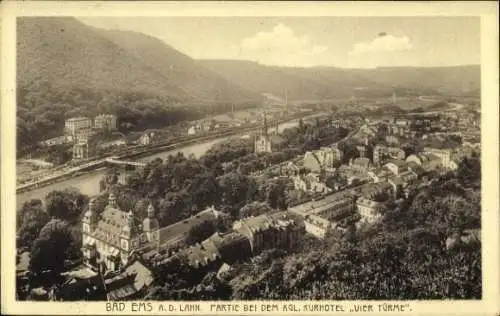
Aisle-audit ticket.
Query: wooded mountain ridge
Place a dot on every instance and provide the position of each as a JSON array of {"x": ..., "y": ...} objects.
[{"x": 68, "y": 53}]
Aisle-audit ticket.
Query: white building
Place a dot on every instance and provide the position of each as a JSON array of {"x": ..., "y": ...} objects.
[
  {"x": 369, "y": 210},
  {"x": 74, "y": 124},
  {"x": 443, "y": 154},
  {"x": 105, "y": 121}
]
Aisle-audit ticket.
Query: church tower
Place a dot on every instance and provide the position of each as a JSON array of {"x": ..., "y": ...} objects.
[
  {"x": 128, "y": 233},
  {"x": 262, "y": 141},
  {"x": 89, "y": 220},
  {"x": 150, "y": 223}
]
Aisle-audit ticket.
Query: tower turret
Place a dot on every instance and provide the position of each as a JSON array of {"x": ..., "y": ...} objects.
[
  {"x": 112, "y": 200},
  {"x": 128, "y": 233},
  {"x": 150, "y": 223},
  {"x": 89, "y": 222},
  {"x": 90, "y": 218}
]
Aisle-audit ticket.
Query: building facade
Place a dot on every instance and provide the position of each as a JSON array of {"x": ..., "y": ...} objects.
[
  {"x": 443, "y": 154},
  {"x": 110, "y": 240},
  {"x": 310, "y": 183},
  {"x": 74, "y": 124},
  {"x": 105, "y": 122},
  {"x": 80, "y": 150},
  {"x": 382, "y": 153},
  {"x": 268, "y": 231},
  {"x": 369, "y": 210}
]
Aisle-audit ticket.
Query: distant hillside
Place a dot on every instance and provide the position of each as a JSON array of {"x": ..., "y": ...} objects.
[
  {"x": 331, "y": 82},
  {"x": 68, "y": 53},
  {"x": 457, "y": 80},
  {"x": 64, "y": 52},
  {"x": 301, "y": 83},
  {"x": 177, "y": 68}
]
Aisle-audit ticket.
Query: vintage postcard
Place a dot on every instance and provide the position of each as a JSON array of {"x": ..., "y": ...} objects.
[{"x": 227, "y": 158}]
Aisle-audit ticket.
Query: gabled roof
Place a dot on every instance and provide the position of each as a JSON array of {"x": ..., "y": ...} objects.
[{"x": 177, "y": 231}]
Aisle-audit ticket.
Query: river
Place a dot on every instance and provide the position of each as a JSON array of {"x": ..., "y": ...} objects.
[{"x": 88, "y": 183}]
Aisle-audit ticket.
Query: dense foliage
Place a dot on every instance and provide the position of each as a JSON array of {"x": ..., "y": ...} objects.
[
  {"x": 403, "y": 257},
  {"x": 42, "y": 110}
]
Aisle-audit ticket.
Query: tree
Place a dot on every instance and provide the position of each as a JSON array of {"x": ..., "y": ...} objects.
[
  {"x": 276, "y": 195},
  {"x": 34, "y": 219},
  {"x": 254, "y": 209},
  {"x": 50, "y": 250},
  {"x": 200, "y": 232},
  {"x": 469, "y": 171},
  {"x": 66, "y": 204}
]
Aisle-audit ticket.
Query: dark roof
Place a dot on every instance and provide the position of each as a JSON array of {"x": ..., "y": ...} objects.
[
  {"x": 82, "y": 285},
  {"x": 179, "y": 230}
]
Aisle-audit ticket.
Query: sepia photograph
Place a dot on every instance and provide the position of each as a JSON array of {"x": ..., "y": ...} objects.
[{"x": 248, "y": 158}]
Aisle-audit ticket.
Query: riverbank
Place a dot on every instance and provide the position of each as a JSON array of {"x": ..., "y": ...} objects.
[{"x": 144, "y": 152}]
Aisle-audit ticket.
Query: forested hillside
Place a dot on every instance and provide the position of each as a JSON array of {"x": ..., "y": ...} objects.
[{"x": 67, "y": 53}]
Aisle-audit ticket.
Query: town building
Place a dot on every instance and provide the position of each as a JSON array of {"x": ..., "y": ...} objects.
[
  {"x": 443, "y": 154},
  {"x": 80, "y": 284},
  {"x": 113, "y": 143},
  {"x": 401, "y": 182},
  {"x": 131, "y": 283},
  {"x": 192, "y": 130},
  {"x": 148, "y": 137},
  {"x": 84, "y": 134},
  {"x": 380, "y": 174},
  {"x": 396, "y": 166},
  {"x": 265, "y": 142},
  {"x": 428, "y": 162},
  {"x": 392, "y": 140},
  {"x": 402, "y": 122},
  {"x": 218, "y": 249},
  {"x": 267, "y": 231},
  {"x": 333, "y": 207},
  {"x": 289, "y": 169},
  {"x": 361, "y": 151},
  {"x": 310, "y": 183},
  {"x": 369, "y": 210},
  {"x": 360, "y": 164},
  {"x": 105, "y": 122},
  {"x": 60, "y": 140},
  {"x": 383, "y": 153},
  {"x": 80, "y": 150},
  {"x": 114, "y": 139},
  {"x": 317, "y": 226},
  {"x": 373, "y": 191},
  {"x": 110, "y": 239},
  {"x": 75, "y": 124},
  {"x": 322, "y": 159}
]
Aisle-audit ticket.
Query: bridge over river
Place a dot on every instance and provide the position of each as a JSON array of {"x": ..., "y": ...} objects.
[{"x": 88, "y": 181}]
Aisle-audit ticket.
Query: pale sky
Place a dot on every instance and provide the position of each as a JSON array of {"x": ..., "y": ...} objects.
[{"x": 351, "y": 42}]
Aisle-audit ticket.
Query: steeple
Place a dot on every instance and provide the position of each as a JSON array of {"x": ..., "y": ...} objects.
[
  {"x": 90, "y": 216},
  {"x": 265, "y": 123},
  {"x": 150, "y": 223}
]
